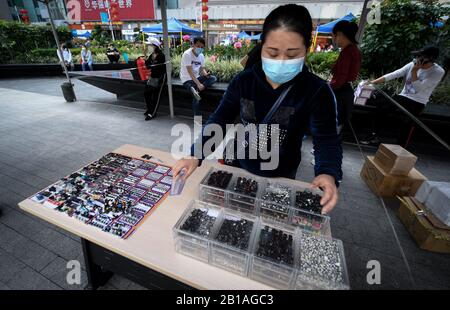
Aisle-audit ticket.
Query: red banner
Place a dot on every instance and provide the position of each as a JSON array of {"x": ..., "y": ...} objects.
[{"x": 127, "y": 9}]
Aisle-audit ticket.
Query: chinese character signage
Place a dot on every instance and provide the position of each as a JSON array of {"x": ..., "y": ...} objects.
[{"x": 127, "y": 9}]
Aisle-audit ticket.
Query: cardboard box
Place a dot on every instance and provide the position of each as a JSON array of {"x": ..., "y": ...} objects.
[
  {"x": 388, "y": 185},
  {"x": 429, "y": 233},
  {"x": 436, "y": 198},
  {"x": 394, "y": 159}
]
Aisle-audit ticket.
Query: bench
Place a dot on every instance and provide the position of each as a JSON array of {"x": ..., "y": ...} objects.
[
  {"x": 125, "y": 87},
  {"x": 217, "y": 87}
]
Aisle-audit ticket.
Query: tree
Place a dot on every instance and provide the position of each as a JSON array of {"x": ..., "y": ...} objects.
[
  {"x": 101, "y": 36},
  {"x": 405, "y": 26}
]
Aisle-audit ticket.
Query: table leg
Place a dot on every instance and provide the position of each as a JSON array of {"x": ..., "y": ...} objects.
[{"x": 96, "y": 275}]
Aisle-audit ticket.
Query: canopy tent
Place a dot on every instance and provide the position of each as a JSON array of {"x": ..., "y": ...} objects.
[
  {"x": 174, "y": 26},
  {"x": 256, "y": 37},
  {"x": 328, "y": 28},
  {"x": 243, "y": 35}
]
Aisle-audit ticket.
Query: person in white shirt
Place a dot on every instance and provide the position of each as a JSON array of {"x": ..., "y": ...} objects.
[
  {"x": 421, "y": 76},
  {"x": 193, "y": 74},
  {"x": 67, "y": 57}
]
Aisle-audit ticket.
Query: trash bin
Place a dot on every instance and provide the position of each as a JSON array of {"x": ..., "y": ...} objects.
[{"x": 68, "y": 92}]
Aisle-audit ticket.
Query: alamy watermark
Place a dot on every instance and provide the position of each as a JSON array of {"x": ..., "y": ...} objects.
[
  {"x": 73, "y": 276},
  {"x": 374, "y": 15},
  {"x": 374, "y": 275}
]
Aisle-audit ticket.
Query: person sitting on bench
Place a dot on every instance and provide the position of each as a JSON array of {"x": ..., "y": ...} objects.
[
  {"x": 193, "y": 74},
  {"x": 421, "y": 76},
  {"x": 113, "y": 54}
]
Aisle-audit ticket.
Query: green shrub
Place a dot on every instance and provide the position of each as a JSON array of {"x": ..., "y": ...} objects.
[
  {"x": 100, "y": 37},
  {"x": 321, "y": 63},
  {"x": 179, "y": 50},
  {"x": 122, "y": 44},
  {"x": 228, "y": 52},
  {"x": 42, "y": 55},
  {"x": 441, "y": 94},
  {"x": 17, "y": 40},
  {"x": 176, "y": 65},
  {"x": 224, "y": 70}
]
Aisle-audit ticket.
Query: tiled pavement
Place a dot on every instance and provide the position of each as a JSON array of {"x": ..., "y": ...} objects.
[{"x": 43, "y": 138}]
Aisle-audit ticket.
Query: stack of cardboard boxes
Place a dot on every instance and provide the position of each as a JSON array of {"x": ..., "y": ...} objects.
[
  {"x": 391, "y": 172},
  {"x": 425, "y": 205},
  {"x": 427, "y": 216}
]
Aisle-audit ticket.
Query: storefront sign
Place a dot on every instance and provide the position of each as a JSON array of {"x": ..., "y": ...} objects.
[
  {"x": 242, "y": 22},
  {"x": 127, "y": 32},
  {"x": 222, "y": 27},
  {"x": 127, "y": 9}
]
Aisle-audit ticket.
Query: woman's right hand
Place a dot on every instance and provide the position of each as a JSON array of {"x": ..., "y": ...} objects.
[{"x": 189, "y": 164}]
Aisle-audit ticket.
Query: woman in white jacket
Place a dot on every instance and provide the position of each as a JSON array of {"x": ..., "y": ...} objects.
[
  {"x": 421, "y": 76},
  {"x": 66, "y": 57}
]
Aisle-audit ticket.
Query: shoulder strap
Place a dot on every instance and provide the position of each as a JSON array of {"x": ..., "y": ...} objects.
[{"x": 276, "y": 105}]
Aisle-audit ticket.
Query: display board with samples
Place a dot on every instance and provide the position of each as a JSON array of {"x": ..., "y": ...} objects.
[{"x": 115, "y": 193}]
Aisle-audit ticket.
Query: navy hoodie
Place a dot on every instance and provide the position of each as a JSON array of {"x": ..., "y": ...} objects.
[{"x": 309, "y": 103}]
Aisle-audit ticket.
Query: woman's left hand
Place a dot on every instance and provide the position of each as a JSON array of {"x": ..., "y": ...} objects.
[{"x": 327, "y": 184}]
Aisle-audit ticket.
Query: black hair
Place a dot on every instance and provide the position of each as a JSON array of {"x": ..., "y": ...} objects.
[
  {"x": 349, "y": 29},
  {"x": 156, "y": 49},
  {"x": 430, "y": 51},
  {"x": 292, "y": 17},
  {"x": 199, "y": 39}
]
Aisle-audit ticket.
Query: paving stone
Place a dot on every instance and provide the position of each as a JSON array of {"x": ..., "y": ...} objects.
[
  {"x": 4, "y": 287},
  {"x": 28, "y": 279},
  {"x": 9, "y": 266},
  {"x": 25, "y": 250}
]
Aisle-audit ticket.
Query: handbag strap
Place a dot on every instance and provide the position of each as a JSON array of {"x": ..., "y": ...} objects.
[{"x": 276, "y": 105}]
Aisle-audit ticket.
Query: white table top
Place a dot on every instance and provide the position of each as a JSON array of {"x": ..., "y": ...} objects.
[{"x": 152, "y": 243}]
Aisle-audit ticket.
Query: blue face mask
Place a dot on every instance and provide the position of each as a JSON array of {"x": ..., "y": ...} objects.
[
  {"x": 198, "y": 50},
  {"x": 282, "y": 71}
]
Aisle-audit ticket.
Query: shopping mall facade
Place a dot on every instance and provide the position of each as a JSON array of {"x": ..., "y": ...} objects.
[{"x": 225, "y": 17}]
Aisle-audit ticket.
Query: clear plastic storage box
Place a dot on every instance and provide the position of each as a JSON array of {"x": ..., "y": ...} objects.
[
  {"x": 192, "y": 233},
  {"x": 321, "y": 263},
  {"x": 274, "y": 255},
  {"x": 304, "y": 213},
  {"x": 277, "y": 200},
  {"x": 280, "y": 255},
  {"x": 231, "y": 242},
  {"x": 243, "y": 192},
  {"x": 214, "y": 186}
]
